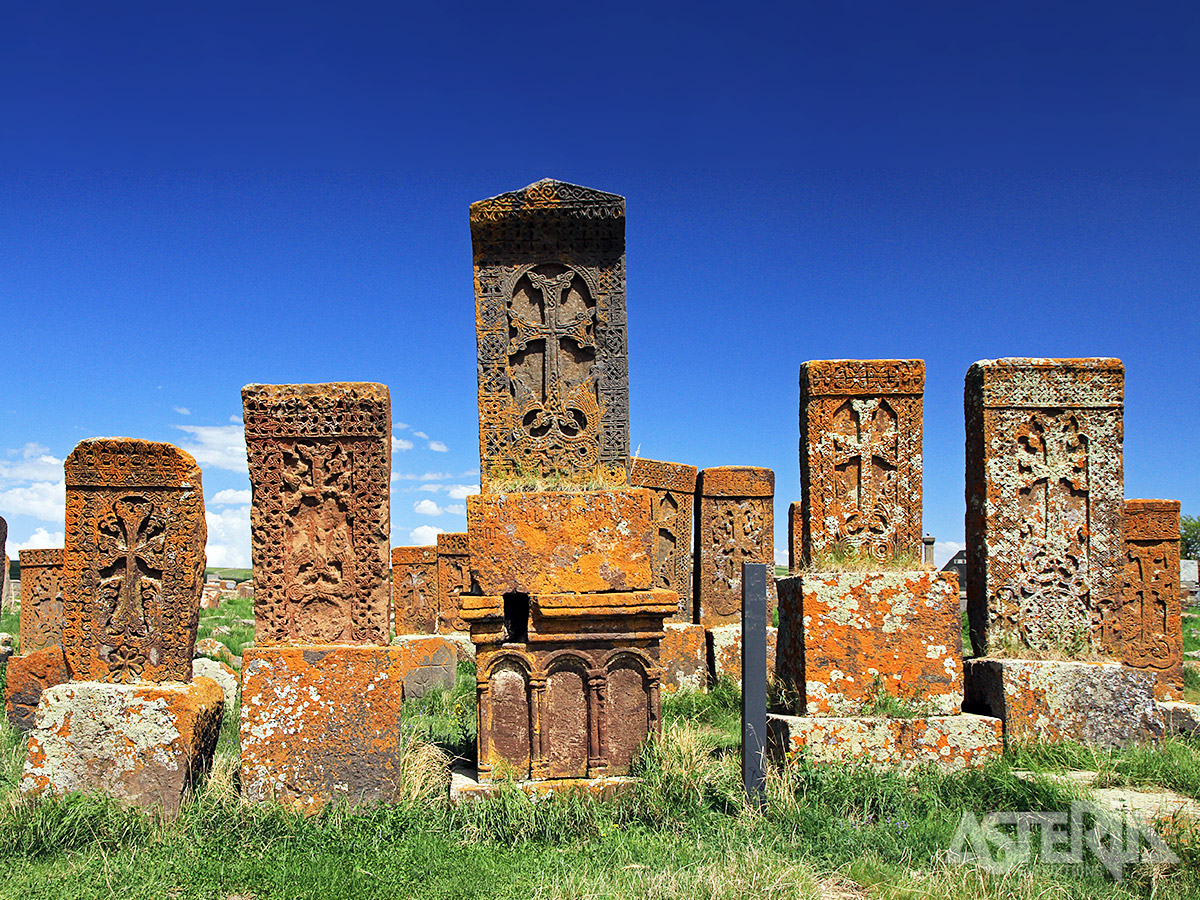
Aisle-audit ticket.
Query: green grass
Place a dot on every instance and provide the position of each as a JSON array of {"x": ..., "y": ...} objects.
[
  {"x": 232, "y": 623},
  {"x": 234, "y": 574}
]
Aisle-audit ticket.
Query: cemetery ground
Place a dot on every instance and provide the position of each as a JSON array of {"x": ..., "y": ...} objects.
[{"x": 684, "y": 831}]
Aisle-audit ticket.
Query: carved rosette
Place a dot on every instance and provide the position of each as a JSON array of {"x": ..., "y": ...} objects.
[
  {"x": 734, "y": 524},
  {"x": 320, "y": 463},
  {"x": 1152, "y": 632},
  {"x": 860, "y": 456},
  {"x": 550, "y": 322},
  {"x": 1045, "y": 555},
  {"x": 41, "y": 599},
  {"x": 672, "y": 492},
  {"x": 133, "y": 562}
]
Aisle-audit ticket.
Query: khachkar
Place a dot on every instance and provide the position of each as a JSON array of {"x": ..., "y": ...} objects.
[
  {"x": 131, "y": 722},
  {"x": 1045, "y": 553},
  {"x": 865, "y": 632},
  {"x": 566, "y": 622},
  {"x": 41, "y": 664},
  {"x": 321, "y": 689},
  {"x": 735, "y": 523},
  {"x": 1152, "y": 627}
]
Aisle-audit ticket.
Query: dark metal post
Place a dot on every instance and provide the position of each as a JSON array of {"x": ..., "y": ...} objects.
[{"x": 754, "y": 679}]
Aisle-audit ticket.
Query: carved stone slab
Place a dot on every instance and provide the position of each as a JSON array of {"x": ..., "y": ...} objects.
[
  {"x": 1152, "y": 630},
  {"x": 320, "y": 460},
  {"x": 1045, "y": 486},
  {"x": 860, "y": 456},
  {"x": 415, "y": 589},
  {"x": 735, "y": 523},
  {"x": 41, "y": 599},
  {"x": 133, "y": 561},
  {"x": 550, "y": 321},
  {"x": 672, "y": 492},
  {"x": 454, "y": 577}
]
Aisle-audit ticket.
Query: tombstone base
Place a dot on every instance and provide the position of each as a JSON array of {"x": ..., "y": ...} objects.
[
  {"x": 1105, "y": 704},
  {"x": 724, "y": 651},
  {"x": 682, "y": 656},
  {"x": 141, "y": 744},
  {"x": 957, "y": 742},
  {"x": 1182, "y": 719},
  {"x": 464, "y": 650},
  {"x": 28, "y": 677},
  {"x": 465, "y": 785},
  {"x": 322, "y": 723}
]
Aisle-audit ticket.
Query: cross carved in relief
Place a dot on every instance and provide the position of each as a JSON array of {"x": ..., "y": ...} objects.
[
  {"x": 1054, "y": 463},
  {"x": 869, "y": 444},
  {"x": 131, "y": 572},
  {"x": 552, "y": 330}
]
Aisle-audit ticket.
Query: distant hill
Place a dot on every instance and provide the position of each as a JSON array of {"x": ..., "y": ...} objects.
[{"x": 233, "y": 574}]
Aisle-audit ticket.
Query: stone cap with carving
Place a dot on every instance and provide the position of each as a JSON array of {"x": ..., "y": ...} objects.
[
  {"x": 335, "y": 409},
  {"x": 574, "y": 199},
  {"x": 129, "y": 462},
  {"x": 402, "y": 556},
  {"x": 1152, "y": 520},
  {"x": 1035, "y": 382},
  {"x": 31, "y": 559},
  {"x": 861, "y": 377},
  {"x": 736, "y": 481},
  {"x": 663, "y": 476}
]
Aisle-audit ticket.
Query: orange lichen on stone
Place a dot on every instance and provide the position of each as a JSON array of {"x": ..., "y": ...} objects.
[
  {"x": 724, "y": 652},
  {"x": 682, "y": 655},
  {"x": 846, "y": 637},
  {"x": 454, "y": 578},
  {"x": 142, "y": 744},
  {"x": 1152, "y": 627},
  {"x": 415, "y": 589},
  {"x": 672, "y": 489},
  {"x": 735, "y": 524},
  {"x": 555, "y": 542},
  {"x": 28, "y": 676},
  {"x": 133, "y": 561},
  {"x": 322, "y": 723},
  {"x": 41, "y": 599}
]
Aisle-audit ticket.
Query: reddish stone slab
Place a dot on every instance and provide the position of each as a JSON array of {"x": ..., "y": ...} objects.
[
  {"x": 735, "y": 524},
  {"x": 27, "y": 677},
  {"x": 672, "y": 489},
  {"x": 415, "y": 589},
  {"x": 683, "y": 657},
  {"x": 1152, "y": 627},
  {"x": 454, "y": 577},
  {"x": 41, "y": 599}
]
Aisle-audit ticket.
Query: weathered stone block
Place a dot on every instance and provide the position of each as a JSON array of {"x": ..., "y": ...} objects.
[
  {"x": 553, "y": 542},
  {"x": 735, "y": 524},
  {"x": 142, "y": 744},
  {"x": 724, "y": 651},
  {"x": 415, "y": 589},
  {"x": 683, "y": 657},
  {"x": 28, "y": 676},
  {"x": 41, "y": 599},
  {"x": 957, "y": 742},
  {"x": 1152, "y": 627},
  {"x": 1182, "y": 719},
  {"x": 672, "y": 489},
  {"x": 550, "y": 321},
  {"x": 225, "y": 677},
  {"x": 133, "y": 561},
  {"x": 454, "y": 577},
  {"x": 322, "y": 723},
  {"x": 1092, "y": 703},
  {"x": 860, "y": 456},
  {"x": 1045, "y": 490},
  {"x": 847, "y": 636},
  {"x": 320, "y": 466}
]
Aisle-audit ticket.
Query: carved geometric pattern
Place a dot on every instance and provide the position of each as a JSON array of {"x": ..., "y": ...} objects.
[
  {"x": 734, "y": 524},
  {"x": 673, "y": 488},
  {"x": 415, "y": 589},
  {"x": 41, "y": 599},
  {"x": 454, "y": 577},
  {"x": 1152, "y": 632}
]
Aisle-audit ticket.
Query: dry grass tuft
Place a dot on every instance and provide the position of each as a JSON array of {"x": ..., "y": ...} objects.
[{"x": 848, "y": 559}]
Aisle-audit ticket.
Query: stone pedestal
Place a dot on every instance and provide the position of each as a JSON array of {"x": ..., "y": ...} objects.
[
  {"x": 1105, "y": 704},
  {"x": 683, "y": 657},
  {"x": 142, "y": 744},
  {"x": 724, "y": 652},
  {"x": 28, "y": 677}
]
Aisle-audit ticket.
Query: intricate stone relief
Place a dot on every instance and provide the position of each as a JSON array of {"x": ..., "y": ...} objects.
[
  {"x": 735, "y": 524},
  {"x": 1152, "y": 633},
  {"x": 415, "y": 589},
  {"x": 673, "y": 488},
  {"x": 41, "y": 599},
  {"x": 454, "y": 577}
]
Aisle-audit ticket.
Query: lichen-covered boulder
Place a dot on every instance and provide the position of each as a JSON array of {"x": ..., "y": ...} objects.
[
  {"x": 202, "y": 667},
  {"x": 28, "y": 677}
]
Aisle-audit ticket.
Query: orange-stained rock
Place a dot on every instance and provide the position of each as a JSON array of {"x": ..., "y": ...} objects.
[
  {"x": 550, "y": 327},
  {"x": 724, "y": 652},
  {"x": 28, "y": 676},
  {"x": 222, "y": 674},
  {"x": 1105, "y": 704},
  {"x": 860, "y": 457},
  {"x": 323, "y": 723},
  {"x": 41, "y": 599},
  {"x": 949, "y": 742},
  {"x": 1045, "y": 497},
  {"x": 415, "y": 589},
  {"x": 133, "y": 561},
  {"x": 844, "y": 637},
  {"x": 453, "y": 578},
  {"x": 554, "y": 542},
  {"x": 672, "y": 489},
  {"x": 795, "y": 537},
  {"x": 142, "y": 744},
  {"x": 683, "y": 657},
  {"x": 320, "y": 468},
  {"x": 735, "y": 524},
  {"x": 1152, "y": 627}
]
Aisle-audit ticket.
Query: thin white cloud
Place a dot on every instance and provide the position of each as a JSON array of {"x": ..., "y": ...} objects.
[
  {"x": 432, "y": 488},
  {"x": 43, "y": 500},
  {"x": 228, "y": 537},
  {"x": 428, "y": 476},
  {"x": 399, "y": 426},
  {"x": 222, "y": 446},
  {"x": 421, "y": 435},
  {"x": 30, "y": 450},
  {"x": 781, "y": 557},
  {"x": 400, "y": 444},
  {"x": 424, "y": 535},
  {"x": 236, "y": 419},
  {"x": 182, "y": 410},
  {"x": 427, "y": 508},
  {"x": 230, "y": 497},
  {"x": 456, "y": 509},
  {"x": 944, "y": 550},
  {"x": 35, "y": 465},
  {"x": 438, "y": 447},
  {"x": 41, "y": 539},
  {"x": 461, "y": 491}
]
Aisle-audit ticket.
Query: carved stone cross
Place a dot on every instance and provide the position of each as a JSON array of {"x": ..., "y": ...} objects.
[
  {"x": 132, "y": 572},
  {"x": 1054, "y": 458},
  {"x": 867, "y": 446},
  {"x": 552, "y": 331}
]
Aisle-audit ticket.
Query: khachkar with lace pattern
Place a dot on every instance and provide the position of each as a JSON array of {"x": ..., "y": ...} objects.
[
  {"x": 131, "y": 722},
  {"x": 562, "y": 607},
  {"x": 1152, "y": 625},
  {"x": 41, "y": 664}
]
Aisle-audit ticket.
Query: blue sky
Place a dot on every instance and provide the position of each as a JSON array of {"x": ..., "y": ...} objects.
[{"x": 198, "y": 196}]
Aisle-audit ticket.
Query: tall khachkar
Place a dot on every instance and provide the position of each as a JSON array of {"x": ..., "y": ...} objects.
[
  {"x": 1152, "y": 627},
  {"x": 320, "y": 459},
  {"x": 550, "y": 318},
  {"x": 860, "y": 456},
  {"x": 41, "y": 600},
  {"x": 735, "y": 524},
  {"x": 672, "y": 494},
  {"x": 1045, "y": 488}
]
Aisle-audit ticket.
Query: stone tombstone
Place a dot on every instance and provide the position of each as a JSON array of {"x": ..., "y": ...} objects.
[
  {"x": 133, "y": 561},
  {"x": 860, "y": 457},
  {"x": 735, "y": 523},
  {"x": 320, "y": 460},
  {"x": 1044, "y": 494},
  {"x": 453, "y": 578},
  {"x": 415, "y": 589},
  {"x": 550, "y": 318},
  {"x": 1152, "y": 627},
  {"x": 42, "y": 600},
  {"x": 672, "y": 493}
]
